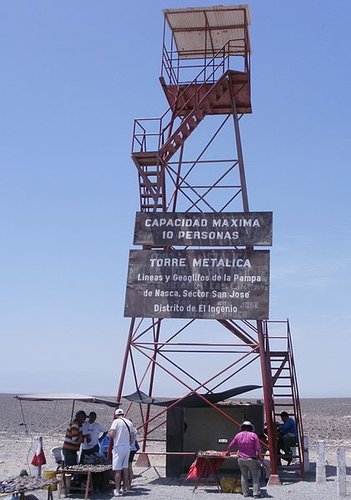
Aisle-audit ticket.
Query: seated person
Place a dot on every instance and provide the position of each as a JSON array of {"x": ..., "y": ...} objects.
[{"x": 287, "y": 437}]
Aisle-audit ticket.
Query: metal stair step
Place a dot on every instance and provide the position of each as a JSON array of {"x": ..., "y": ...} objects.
[
  {"x": 291, "y": 467},
  {"x": 192, "y": 124},
  {"x": 206, "y": 106},
  {"x": 212, "y": 98},
  {"x": 146, "y": 196},
  {"x": 144, "y": 186},
  {"x": 199, "y": 114},
  {"x": 286, "y": 397},
  {"x": 219, "y": 90},
  {"x": 170, "y": 149},
  {"x": 178, "y": 140},
  {"x": 185, "y": 132},
  {"x": 277, "y": 403},
  {"x": 151, "y": 205},
  {"x": 283, "y": 406},
  {"x": 150, "y": 173},
  {"x": 146, "y": 158}
]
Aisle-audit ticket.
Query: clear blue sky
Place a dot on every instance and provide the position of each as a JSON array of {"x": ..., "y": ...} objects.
[{"x": 74, "y": 75}]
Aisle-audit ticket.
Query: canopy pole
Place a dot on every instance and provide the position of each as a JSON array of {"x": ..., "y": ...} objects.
[
  {"x": 72, "y": 412},
  {"x": 23, "y": 417}
]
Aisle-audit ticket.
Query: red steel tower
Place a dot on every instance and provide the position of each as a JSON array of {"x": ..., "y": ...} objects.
[{"x": 190, "y": 161}]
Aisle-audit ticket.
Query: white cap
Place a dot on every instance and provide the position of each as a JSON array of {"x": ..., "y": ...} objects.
[
  {"x": 247, "y": 422},
  {"x": 119, "y": 411}
]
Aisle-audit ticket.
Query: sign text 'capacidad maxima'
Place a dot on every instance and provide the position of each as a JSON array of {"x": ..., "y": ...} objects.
[{"x": 203, "y": 229}]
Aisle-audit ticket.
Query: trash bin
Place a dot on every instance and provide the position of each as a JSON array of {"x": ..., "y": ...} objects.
[{"x": 50, "y": 474}]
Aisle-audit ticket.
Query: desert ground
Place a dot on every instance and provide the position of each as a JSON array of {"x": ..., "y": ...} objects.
[{"x": 328, "y": 420}]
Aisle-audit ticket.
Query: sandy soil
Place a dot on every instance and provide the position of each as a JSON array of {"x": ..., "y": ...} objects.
[{"x": 323, "y": 419}]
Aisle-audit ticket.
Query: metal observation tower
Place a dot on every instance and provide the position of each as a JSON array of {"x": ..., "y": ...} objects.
[{"x": 197, "y": 291}]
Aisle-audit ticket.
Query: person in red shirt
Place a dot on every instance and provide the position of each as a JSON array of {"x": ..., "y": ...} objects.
[{"x": 249, "y": 451}]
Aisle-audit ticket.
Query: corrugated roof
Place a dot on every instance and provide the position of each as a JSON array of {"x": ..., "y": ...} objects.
[{"x": 200, "y": 31}]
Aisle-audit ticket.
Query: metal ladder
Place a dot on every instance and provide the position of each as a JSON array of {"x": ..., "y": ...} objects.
[{"x": 285, "y": 392}]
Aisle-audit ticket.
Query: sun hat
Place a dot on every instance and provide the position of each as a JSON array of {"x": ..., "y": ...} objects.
[
  {"x": 119, "y": 411},
  {"x": 247, "y": 424}
]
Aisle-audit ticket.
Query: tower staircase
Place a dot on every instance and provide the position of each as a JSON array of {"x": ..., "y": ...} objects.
[
  {"x": 285, "y": 394},
  {"x": 213, "y": 91}
]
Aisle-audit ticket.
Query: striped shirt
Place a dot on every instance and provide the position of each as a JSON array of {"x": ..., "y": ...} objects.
[{"x": 74, "y": 436}]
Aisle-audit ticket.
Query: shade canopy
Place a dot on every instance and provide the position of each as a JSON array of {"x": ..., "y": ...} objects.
[
  {"x": 200, "y": 31},
  {"x": 67, "y": 396},
  {"x": 193, "y": 400}
]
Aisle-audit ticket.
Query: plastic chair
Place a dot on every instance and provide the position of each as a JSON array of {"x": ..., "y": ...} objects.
[{"x": 57, "y": 454}]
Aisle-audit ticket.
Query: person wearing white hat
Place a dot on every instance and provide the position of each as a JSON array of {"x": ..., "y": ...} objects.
[
  {"x": 249, "y": 451},
  {"x": 123, "y": 433}
]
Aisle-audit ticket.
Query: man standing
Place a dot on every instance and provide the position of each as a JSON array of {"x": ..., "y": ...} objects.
[
  {"x": 249, "y": 451},
  {"x": 73, "y": 439},
  {"x": 123, "y": 434},
  {"x": 93, "y": 433}
]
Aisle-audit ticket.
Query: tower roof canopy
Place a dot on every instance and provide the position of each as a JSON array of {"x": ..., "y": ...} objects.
[{"x": 203, "y": 31}]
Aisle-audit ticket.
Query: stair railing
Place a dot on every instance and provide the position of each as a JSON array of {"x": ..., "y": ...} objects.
[
  {"x": 141, "y": 141},
  {"x": 296, "y": 399},
  {"x": 172, "y": 66},
  {"x": 285, "y": 342},
  {"x": 167, "y": 132}
]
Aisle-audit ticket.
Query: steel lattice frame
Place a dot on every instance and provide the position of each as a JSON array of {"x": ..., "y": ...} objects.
[{"x": 204, "y": 173}]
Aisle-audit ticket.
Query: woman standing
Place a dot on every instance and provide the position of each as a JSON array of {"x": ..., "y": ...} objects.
[{"x": 249, "y": 451}]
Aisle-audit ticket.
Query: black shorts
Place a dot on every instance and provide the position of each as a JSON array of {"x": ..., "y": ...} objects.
[{"x": 131, "y": 456}]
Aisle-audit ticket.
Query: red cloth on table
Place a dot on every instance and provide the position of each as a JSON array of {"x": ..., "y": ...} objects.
[{"x": 204, "y": 467}]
